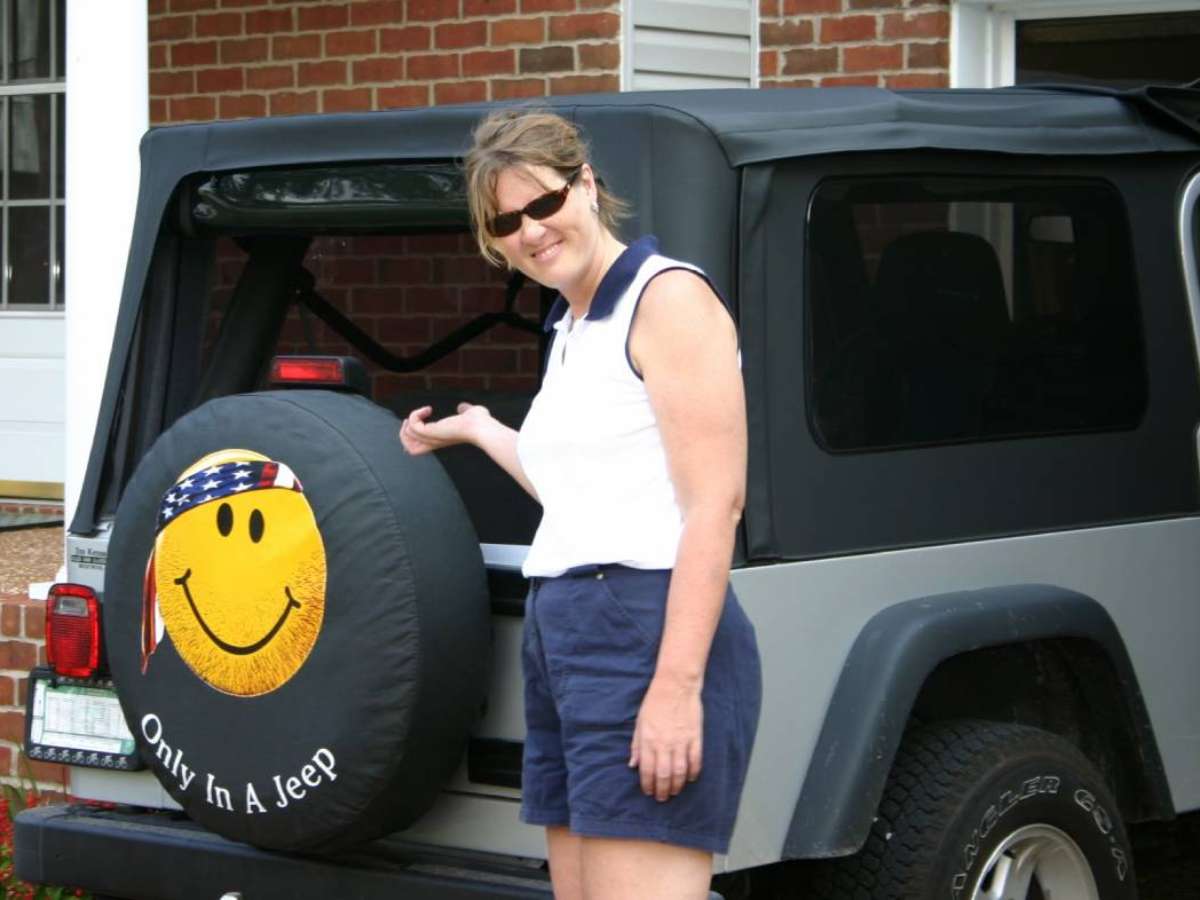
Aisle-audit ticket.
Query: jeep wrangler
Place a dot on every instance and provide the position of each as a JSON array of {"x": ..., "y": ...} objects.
[{"x": 286, "y": 662}]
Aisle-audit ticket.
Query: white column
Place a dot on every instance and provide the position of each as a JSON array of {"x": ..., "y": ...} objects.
[
  {"x": 107, "y": 114},
  {"x": 980, "y": 44}
]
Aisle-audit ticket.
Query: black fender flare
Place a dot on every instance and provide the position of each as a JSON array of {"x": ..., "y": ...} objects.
[{"x": 887, "y": 665}]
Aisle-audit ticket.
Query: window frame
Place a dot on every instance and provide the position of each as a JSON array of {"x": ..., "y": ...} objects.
[
  {"x": 1189, "y": 251},
  {"x": 806, "y": 503},
  {"x": 979, "y": 184},
  {"x": 55, "y": 87},
  {"x": 983, "y": 33}
]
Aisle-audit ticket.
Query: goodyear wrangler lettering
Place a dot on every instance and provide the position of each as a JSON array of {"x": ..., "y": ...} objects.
[{"x": 283, "y": 789}]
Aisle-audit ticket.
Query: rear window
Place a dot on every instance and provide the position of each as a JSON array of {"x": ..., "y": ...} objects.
[
  {"x": 403, "y": 293},
  {"x": 375, "y": 262},
  {"x": 955, "y": 309},
  {"x": 406, "y": 292}
]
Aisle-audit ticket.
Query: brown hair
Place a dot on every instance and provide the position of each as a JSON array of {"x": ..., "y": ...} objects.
[{"x": 525, "y": 137}]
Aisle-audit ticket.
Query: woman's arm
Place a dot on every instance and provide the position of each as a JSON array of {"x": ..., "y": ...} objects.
[
  {"x": 684, "y": 343},
  {"x": 473, "y": 424}
]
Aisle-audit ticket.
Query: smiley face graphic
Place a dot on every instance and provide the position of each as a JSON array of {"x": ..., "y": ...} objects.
[{"x": 237, "y": 576}]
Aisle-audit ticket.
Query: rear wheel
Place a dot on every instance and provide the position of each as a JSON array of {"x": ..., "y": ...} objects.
[{"x": 987, "y": 811}]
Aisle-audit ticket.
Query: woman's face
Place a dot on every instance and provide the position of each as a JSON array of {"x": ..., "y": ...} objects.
[{"x": 560, "y": 250}]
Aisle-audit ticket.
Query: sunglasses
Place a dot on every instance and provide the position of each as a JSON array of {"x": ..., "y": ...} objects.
[{"x": 506, "y": 223}]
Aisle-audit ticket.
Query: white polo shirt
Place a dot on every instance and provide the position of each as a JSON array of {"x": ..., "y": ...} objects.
[{"x": 590, "y": 444}]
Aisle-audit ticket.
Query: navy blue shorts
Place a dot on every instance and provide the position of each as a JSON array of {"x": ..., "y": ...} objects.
[{"x": 590, "y": 647}]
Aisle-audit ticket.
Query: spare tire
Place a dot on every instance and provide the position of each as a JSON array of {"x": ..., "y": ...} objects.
[{"x": 296, "y": 619}]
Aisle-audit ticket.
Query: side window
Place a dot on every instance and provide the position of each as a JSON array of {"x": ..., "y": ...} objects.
[{"x": 956, "y": 309}]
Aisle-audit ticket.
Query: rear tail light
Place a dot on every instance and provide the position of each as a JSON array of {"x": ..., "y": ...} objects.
[
  {"x": 339, "y": 373},
  {"x": 73, "y": 630},
  {"x": 327, "y": 370}
]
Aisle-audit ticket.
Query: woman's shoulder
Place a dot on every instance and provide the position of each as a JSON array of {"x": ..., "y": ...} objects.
[
  {"x": 675, "y": 287},
  {"x": 679, "y": 288},
  {"x": 658, "y": 270},
  {"x": 684, "y": 282},
  {"x": 656, "y": 261},
  {"x": 679, "y": 320}
]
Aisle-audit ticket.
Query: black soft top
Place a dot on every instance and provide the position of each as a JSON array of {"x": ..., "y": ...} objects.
[
  {"x": 747, "y": 125},
  {"x": 677, "y": 156}
]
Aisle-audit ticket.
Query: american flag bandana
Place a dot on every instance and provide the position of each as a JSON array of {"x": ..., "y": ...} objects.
[{"x": 225, "y": 480}]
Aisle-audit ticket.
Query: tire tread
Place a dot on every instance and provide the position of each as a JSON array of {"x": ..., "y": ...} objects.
[{"x": 934, "y": 767}]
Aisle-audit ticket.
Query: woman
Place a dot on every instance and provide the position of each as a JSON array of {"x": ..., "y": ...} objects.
[{"x": 642, "y": 679}]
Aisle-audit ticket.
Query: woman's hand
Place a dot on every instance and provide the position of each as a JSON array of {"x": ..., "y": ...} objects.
[
  {"x": 668, "y": 738},
  {"x": 418, "y": 435}
]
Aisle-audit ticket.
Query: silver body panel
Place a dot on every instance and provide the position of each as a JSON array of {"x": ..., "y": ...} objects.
[
  {"x": 134, "y": 788},
  {"x": 1146, "y": 575},
  {"x": 808, "y": 614}
]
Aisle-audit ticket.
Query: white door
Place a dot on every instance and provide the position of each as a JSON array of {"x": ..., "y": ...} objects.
[{"x": 32, "y": 394}]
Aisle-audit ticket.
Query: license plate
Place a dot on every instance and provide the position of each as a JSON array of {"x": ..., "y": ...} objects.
[{"x": 78, "y": 722}]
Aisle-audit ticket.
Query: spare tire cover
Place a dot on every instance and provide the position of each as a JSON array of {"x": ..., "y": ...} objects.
[{"x": 296, "y": 619}]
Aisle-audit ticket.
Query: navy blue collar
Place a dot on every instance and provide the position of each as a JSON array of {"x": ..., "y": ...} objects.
[{"x": 614, "y": 283}]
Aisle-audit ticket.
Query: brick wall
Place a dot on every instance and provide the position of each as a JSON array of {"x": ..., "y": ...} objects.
[
  {"x": 877, "y": 43},
  {"x": 31, "y": 506},
  {"x": 228, "y": 59},
  {"x": 22, "y": 646}
]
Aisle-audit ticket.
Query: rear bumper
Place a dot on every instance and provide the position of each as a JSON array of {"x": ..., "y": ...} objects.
[{"x": 156, "y": 855}]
